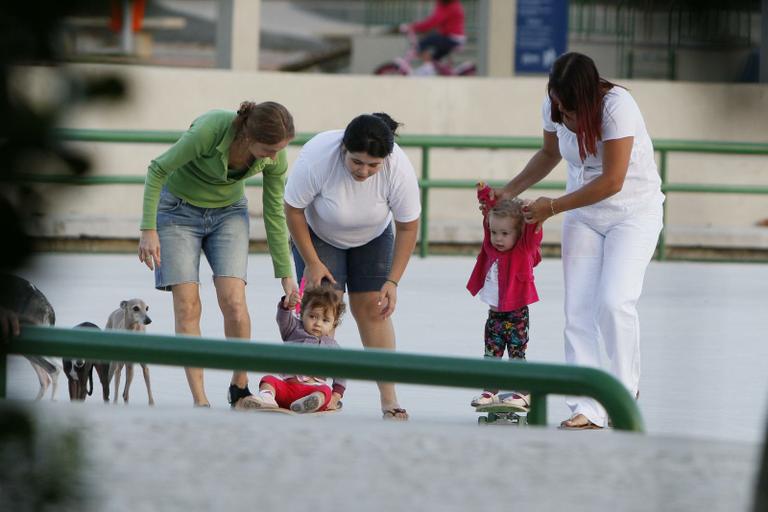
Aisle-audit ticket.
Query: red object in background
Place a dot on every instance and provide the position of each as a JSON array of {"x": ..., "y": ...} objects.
[{"x": 137, "y": 14}]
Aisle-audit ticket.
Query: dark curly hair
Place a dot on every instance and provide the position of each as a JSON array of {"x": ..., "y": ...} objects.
[{"x": 326, "y": 297}]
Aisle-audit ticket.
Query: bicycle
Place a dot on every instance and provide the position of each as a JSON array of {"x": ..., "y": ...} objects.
[{"x": 403, "y": 66}]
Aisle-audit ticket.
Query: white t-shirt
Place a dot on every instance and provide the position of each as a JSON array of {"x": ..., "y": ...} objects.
[
  {"x": 341, "y": 211},
  {"x": 621, "y": 118},
  {"x": 489, "y": 293}
]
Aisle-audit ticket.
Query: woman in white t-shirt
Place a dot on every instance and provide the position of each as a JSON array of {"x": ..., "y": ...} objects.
[
  {"x": 344, "y": 192},
  {"x": 613, "y": 216}
]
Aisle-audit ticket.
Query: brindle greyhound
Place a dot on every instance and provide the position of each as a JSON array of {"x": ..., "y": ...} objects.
[
  {"x": 131, "y": 316},
  {"x": 33, "y": 308}
]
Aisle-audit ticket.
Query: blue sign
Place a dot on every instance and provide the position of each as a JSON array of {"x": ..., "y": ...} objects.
[{"x": 542, "y": 34}]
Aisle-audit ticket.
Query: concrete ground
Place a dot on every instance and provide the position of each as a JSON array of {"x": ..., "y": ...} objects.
[{"x": 703, "y": 401}]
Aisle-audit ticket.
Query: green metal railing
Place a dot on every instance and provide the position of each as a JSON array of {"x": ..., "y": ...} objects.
[
  {"x": 427, "y": 143},
  {"x": 373, "y": 365}
]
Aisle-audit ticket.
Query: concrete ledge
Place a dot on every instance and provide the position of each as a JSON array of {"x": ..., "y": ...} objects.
[{"x": 182, "y": 459}]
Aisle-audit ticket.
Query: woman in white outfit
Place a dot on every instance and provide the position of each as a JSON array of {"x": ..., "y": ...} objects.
[{"x": 613, "y": 217}]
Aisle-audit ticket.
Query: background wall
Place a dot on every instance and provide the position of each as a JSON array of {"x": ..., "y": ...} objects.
[{"x": 169, "y": 99}]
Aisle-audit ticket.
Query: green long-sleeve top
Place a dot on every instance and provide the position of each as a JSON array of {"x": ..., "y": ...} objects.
[{"x": 195, "y": 169}]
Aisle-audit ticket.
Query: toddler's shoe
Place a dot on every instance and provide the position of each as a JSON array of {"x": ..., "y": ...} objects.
[
  {"x": 516, "y": 399},
  {"x": 310, "y": 403},
  {"x": 260, "y": 401},
  {"x": 485, "y": 398}
]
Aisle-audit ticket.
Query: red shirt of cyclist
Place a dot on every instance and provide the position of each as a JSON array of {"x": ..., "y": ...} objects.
[{"x": 447, "y": 19}]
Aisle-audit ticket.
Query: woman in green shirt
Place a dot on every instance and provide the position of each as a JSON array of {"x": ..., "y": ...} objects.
[{"x": 194, "y": 201}]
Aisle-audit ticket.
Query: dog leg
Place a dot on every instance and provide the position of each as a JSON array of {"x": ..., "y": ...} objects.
[
  {"x": 54, "y": 381},
  {"x": 145, "y": 370},
  {"x": 128, "y": 380},
  {"x": 118, "y": 371},
  {"x": 43, "y": 379},
  {"x": 102, "y": 370}
]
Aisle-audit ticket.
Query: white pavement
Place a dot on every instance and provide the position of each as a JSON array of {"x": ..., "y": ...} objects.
[{"x": 704, "y": 391}]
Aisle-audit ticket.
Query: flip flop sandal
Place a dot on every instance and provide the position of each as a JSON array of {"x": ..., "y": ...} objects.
[
  {"x": 585, "y": 425},
  {"x": 392, "y": 414}
]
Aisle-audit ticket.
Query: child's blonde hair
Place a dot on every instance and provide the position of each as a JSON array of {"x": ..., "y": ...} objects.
[
  {"x": 508, "y": 208},
  {"x": 324, "y": 296}
]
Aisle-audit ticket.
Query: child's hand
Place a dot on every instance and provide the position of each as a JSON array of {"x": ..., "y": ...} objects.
[
  {"x": 292, "y": 299},
  {"x": 486, "y": 196}
]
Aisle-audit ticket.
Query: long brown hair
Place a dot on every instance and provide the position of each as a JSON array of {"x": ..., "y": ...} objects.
[
  {"x": 267, "y": 122},
  {"x": 575, "y": 81}
]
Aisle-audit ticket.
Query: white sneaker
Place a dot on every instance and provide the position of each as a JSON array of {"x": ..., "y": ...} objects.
[
  {"x": 310, "y": 403},
  {"x": 260, "y": 401},
  {"x": 426, "y": 69},
  {"x": 516, "y": 399},
  {"x": 485, "y": 398}
]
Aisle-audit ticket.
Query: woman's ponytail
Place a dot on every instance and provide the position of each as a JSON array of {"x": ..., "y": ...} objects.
[{"x": 267, "y": 122}]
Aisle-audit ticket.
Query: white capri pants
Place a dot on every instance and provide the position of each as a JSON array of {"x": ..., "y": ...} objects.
[{"x": 604, "y": 263}]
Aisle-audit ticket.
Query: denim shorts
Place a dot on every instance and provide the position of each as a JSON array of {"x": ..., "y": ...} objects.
[
  {"x": 185, "y": 231},
  {"x": 359, "y": 269}
]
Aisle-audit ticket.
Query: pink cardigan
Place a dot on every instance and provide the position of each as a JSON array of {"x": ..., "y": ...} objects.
[{"x": 516, "y": 286}]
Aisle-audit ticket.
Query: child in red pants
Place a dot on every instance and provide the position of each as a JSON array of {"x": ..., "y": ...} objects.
[{"x": 321, "y": 311}]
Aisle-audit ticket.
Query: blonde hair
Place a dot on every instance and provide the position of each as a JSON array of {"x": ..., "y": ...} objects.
[
  {"x": 512, "y": 208},
  {"x": 324, "y": 296}
]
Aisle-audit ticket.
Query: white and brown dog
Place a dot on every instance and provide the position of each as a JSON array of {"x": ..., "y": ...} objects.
[
  {"x": 32, "y": 307},
  {"x": 130, "y": 316}
]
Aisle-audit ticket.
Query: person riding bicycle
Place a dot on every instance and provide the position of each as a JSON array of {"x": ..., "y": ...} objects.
[{"x": 446, "y": 31}]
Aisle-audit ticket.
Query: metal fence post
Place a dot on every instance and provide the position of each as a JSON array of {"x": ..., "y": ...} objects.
[
  {"x": 538, "y": 413},
  {"x": 662, "y": 254},
  {"x": 424, "y": 240}
]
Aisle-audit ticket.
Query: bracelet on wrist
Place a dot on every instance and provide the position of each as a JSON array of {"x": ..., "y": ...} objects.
[
  {"x": 552, "y": 206},
  {"x": 391, "y": 281}
]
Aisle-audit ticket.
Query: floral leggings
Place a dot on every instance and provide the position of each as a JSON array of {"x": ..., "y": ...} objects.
[{"x": 507, "y": 330}]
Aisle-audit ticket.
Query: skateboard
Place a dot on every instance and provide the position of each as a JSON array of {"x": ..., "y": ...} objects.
[
  {"x": 288, "y": 411},
  {"x": 291, "y": 413},
  {"x": 502, "y": 415}
]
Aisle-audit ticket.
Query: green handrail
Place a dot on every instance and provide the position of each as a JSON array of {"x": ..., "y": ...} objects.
[
  {"x": 426, "y": 143},
  {"x": 374, "y": 365}
]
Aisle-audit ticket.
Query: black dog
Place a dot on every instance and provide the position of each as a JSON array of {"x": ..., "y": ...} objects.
[{"x": 79, "y": 372}]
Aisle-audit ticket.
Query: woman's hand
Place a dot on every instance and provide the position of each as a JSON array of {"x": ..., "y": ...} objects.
[
  {"x": 387, "y": 299},
  {"x": 149, "y": 248},
  {"x": 291, "y": 292},
  {"x": 314, "y": 273},
  {"x": 537, "y": 211},
  {"x": 9, "y": 324},
  {"x": 494, "y": 195}
]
